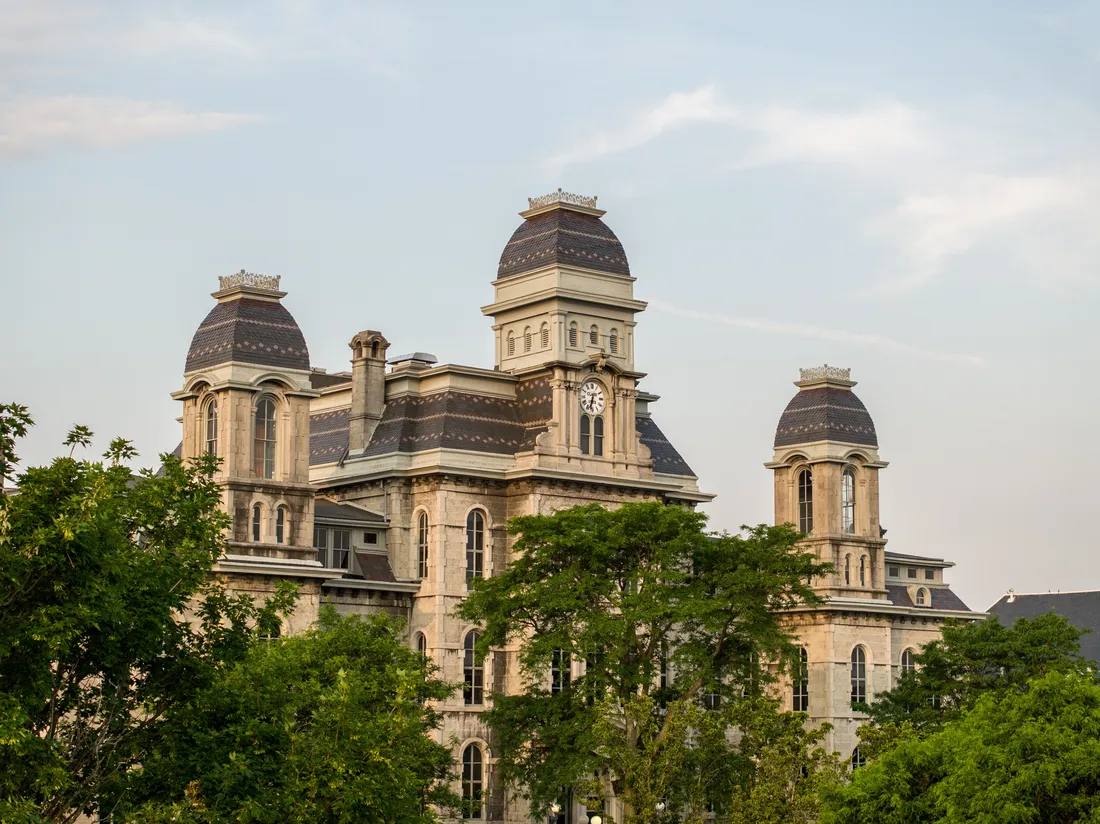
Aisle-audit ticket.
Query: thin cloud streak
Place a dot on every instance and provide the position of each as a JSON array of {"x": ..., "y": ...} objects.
[{"x": 819, "y": 333}]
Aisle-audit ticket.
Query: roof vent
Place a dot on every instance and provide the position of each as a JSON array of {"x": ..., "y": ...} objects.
[{"x": 414, "y": 361}]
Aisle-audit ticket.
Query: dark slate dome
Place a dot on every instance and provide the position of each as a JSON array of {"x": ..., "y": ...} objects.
[
  {"x": 248, "y": 329},
  {"x": 825, "y": 412},
  {"x": 563, "y": 235}
]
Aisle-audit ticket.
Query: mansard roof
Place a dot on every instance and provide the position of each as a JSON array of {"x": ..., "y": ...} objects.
[
  {"x": 941, "y": 598},
  {"x": 825, "y": 413},
  {"x": 563, "y": 236},
  {"x": 1082, "y": 609}
]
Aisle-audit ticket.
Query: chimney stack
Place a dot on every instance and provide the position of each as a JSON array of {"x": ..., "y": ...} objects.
[{"x": 368, "y": 387}]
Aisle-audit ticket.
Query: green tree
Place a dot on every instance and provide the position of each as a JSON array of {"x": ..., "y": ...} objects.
[
  {"x": 666, "y": 617},
  {"x": 15, "y": 419},
  {"x": 1017, "y": 755},
  {"x": 329, "y": 726},
  {"x": 97, "y": 568}
]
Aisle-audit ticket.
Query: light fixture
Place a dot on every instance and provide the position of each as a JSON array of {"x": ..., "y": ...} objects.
[
  {"x": 660, "y": 806},
  {"x": 555, "y": 808},
  {"x": 596, "y": 819}
]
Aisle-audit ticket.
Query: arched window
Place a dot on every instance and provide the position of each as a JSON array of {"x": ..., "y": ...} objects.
[
  {"x": 561, "y": 665},
  {"x": 613, "y": 342},
  {"x": 597, "y": 435},
  {"x": 859, "y": 675},
  {"x": 857, "y": 759},
  {"x": 527, "y": 339},
  {"x": 473, "y": 673},
  {"x": 473, "y": 782},
  {"x": 280, "y": 525},
  {"x": 594, "y": 335},
  {"x": 908, "y": 661},
  {"x": 806, "y": 501},
  {"x": 511, "y": 344},
  {"x": 257, "y": 517},
  {"x": 544, "y": 336},
  {"x": 863, "y": 570},
  {"x": 421, "y": 644},
  {"x": 422, "y": 545},
  {"x": 574, "y": 334},
  {"x": 263, "y": 452},
  {"x": 800, "y": 698},
  {"x": 475, "y": 547},
  {"x": 922, "y": 597},
  {"x": 586, "y": 434},
  {"x": 212, "y": 427},
  {"x": 848, "y": 501},
  {"x": 847, "y": 570}
]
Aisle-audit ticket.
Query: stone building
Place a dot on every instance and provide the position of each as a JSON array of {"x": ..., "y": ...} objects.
[{"x": 387, "y": 487}]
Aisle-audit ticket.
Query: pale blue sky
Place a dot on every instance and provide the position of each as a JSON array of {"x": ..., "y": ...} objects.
[{"x": 911, "y": 190}]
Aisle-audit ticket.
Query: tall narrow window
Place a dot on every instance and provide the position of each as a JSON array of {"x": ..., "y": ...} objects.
[
  {"x": 212, "y": 427},
  {"x": 613, "y": 342},
  {"x": 544, "y": 336},
  {"x": 573, "y": 335},
  {"x": 847, "y": 570},
  {"x": 320, "y": 543},
  {"x": 511, "y": 344},
  {"x": 264, "y": 447},
  {"x": 664, "y": 665},
  {"x": 859, "y": 675},
  {"x": 473, "y": 783},
  {"x": 475, "y": 547},
  {"x": 422, "y": 545},
  {"x": 561, "y": 665},
  {"x": 857, "y": 759},
  {"x": 257, "y": 518},
  {"x": 421, "y": 644},
  {"x": 594, "y": 335},
  {"x": 473, "y": 673},
  {"x": 586, "y": 435},
  {"x": 806, "y": 501},
  {"x": 280, "y": 525},
  {"x": 527, "y": 339},
  {"x": 863, "y": 570},
  {"x": 597, "y": 435},
  {"x": 848, "y": 501},
  {"x": 800, "y": 698},
  {"x": 908, "y": 661},
  {"x": 341, "y": 548}
]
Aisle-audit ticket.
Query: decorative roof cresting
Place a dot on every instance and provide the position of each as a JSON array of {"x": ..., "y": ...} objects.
[
  {"x": 826, "y": 372},
  {"x": 243, "y": 278},
  {"x": 561, "y": 197}
]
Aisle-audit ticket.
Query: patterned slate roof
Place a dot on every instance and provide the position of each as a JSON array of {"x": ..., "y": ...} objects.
[
  {"x": 665, "y": 457},
  {"x": 1082, "y": 609},
  {"x": 942, "y": 598},
  {"x": 825, "y": 413},
  {"x": 328, "y": 436},
  {"x": 563, "y": 236},
  {"x": 248, "y": 330}
]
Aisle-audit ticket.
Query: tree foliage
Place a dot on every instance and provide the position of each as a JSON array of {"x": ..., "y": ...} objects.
[
  {"x": 97, "y": 569},
  {"x": 15, "y": 419},
  {"x": 1028, "y": 754},
  {"x": 329, "y": 726},
  {"x": 665, "y": 617}
]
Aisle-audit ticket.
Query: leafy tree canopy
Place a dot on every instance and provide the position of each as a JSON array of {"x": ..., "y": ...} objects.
[
  {"x": 665, "y": 617},
  {"x": 1011, "y": 755},
  {"x": 326, "y": 727}
]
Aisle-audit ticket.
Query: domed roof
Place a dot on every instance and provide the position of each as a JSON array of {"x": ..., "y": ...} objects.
[
  {"x": 825, "y": 409},
  {"x": 566, "y": 229},
  {"x": 248, "y": 325}
]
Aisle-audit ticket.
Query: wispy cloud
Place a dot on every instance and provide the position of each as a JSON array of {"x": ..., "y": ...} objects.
[
  {"x": 102, "y": 122},
  {"x": 806, "y": 330}
]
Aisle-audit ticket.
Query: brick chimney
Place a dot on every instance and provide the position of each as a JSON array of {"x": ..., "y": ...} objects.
[{"x": 368, "y": 387}]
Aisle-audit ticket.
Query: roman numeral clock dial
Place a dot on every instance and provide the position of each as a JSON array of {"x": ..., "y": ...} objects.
[{"x": 592, "y": 397}]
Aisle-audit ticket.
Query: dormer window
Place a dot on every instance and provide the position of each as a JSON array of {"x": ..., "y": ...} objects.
[{"x": 922, "y": 597}]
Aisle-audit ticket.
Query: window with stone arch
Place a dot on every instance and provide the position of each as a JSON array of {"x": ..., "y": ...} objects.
[
  {"x": 263, "y": 451},
  {"x": 857, "y": 759},
  {"x": 211, "y": 424},
  {"x": 422, "y": 545},
  {"x": 473, "y": 672},
  {"x": 422, "y": 644},
  {"x": 863, "y": 570},
  {"x": 922, "y": 597},
  {"x": 847, "y": 570},
  {"x": 475, "y": 547},
  {"x": 527, "y": 339},
  {"x": 574, "y": 335},
  {"x": 848, "y": 501},
  {"x": 282, "y": 524},
  {"x": 800, "y": 692},
  {"x": 594, "y": 335},
  {"x": 908, "y": 661},
  {"x": 473, "y": 783},
  {"x": 511, "y": 344},
  {"x": 544, "y": 336},
  {"x": 613, "y": 341},
  {"x": 257, "y": 521},
  {"x": 806, "y": 501},
  {"x": 592, "y": 435},
  {"x": 859, "y": 675}
]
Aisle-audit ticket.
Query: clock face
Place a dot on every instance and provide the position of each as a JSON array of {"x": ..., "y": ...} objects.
[{"x": 592, "y": 399}]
